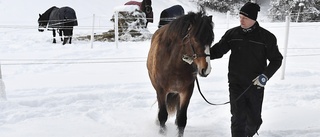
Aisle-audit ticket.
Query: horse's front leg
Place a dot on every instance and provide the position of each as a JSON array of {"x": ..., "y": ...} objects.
[
  {"x": 162, "y": 117},
  {"x": 181, "y": 117},
  {"x": 60, "y": 34},
  {"x": 54, "y": 36},
  {"x": 163, "y": 113}
]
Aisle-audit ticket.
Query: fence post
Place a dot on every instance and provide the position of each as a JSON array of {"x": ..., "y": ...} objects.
[
  {"x": 285, "y": 46},
  {"x": 116, "y": 28},
  {"x": 2, "y": 88},
  {"x": 92, "y": 33}
]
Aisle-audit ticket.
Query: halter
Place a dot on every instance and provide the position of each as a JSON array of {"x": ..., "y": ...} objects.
[
  {"x": 148, "y": 8},
  {"x": 187, "y": 58}
]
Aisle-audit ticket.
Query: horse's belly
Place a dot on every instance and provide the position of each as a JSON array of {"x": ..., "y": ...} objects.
[{"x": 176, "y": 86}]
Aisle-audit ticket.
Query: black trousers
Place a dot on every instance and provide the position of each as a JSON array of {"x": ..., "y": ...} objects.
[{"x": 246, "y": 111}]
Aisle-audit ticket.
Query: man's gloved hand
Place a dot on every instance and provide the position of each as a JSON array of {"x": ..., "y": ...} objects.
[{"x": 261, "y": 80}]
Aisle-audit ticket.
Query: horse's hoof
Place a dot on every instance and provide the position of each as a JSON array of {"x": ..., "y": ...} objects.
[
  {"x": 163, "y": 131},
  {"x": 70, "y": 39},
  {"x": 181, "y": 131},
  {"x": 65, "y": 41},
  {"x": 54, "y": 41}
]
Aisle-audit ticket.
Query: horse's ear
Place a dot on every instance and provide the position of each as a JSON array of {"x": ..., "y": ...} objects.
[
  {"x": 39, "y": 15},
  {"x": 210, "y": 17},
  {"x": 147, "y": 2}
]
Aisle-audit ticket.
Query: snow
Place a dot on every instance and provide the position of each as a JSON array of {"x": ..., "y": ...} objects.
[
  {"x": 126, "y": 8},
  {"x": 75, "y": 90}
]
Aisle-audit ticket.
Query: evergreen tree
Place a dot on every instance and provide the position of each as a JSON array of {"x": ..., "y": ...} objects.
[{"x": 299, "y": 10}]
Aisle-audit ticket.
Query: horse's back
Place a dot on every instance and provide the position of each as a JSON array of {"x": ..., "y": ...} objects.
[
  {"x": 64, "y": 16},
  {"x": 176, "y": 10},
  {"x": 154, "y": 59},
  {"x": 69, "y": 14},
  {"x": 151, "y": 62},
  {"x": 169, "y": 14}
]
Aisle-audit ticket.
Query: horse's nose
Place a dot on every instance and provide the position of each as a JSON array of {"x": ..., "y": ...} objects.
[{"x": 203, "y": 73}]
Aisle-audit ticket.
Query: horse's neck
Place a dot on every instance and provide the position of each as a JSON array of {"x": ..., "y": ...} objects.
[
  {"x": 175, "y": 54},
  {"x": 46, "y": 14},
  {"x": 143, "y": 5}
]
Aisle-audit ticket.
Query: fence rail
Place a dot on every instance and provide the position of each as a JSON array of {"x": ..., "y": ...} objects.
[
  {"x": 31, "y": 61},
  {"x": 109, "y": 26},
  {"x": 15, "y": 62}
]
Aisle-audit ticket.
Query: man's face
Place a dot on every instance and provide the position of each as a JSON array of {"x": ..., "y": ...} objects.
[{"x": 246, "y": 22}]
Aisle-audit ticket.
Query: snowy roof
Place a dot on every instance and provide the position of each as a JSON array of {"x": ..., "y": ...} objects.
[{"x": 128, "y": 8}]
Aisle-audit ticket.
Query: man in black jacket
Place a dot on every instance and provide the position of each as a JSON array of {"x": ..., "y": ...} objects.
[{"x": 251, "y": 47}]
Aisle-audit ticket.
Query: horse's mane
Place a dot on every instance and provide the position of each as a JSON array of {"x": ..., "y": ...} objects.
[{"x": 200, "y": 26}]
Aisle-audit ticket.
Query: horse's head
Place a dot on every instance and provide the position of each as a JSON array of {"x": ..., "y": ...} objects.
[
  {"x": 146, "y": 6},
  {"x": 197, "y": 42},
  {"x": 42, "y": 23}
]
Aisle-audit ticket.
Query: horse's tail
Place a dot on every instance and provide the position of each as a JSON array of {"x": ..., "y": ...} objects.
[{"x": 173, "y": 102}]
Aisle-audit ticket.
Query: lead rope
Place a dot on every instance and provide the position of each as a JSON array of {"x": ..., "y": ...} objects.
[{"x": 221, "y": 103}]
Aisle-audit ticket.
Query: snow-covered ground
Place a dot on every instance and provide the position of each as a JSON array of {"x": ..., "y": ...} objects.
[{"x": 79, "y": 91}]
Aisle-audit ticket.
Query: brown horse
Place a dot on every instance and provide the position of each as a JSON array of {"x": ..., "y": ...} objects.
[{"x": 179, "y": 51}]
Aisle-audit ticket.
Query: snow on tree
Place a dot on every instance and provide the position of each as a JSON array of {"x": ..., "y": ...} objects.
[
  {"x": 299, "y": 10},
  {"x": 223, "y": 5}
]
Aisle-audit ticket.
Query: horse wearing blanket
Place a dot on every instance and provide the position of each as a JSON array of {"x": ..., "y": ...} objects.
[{"x": 60, "y": 19}]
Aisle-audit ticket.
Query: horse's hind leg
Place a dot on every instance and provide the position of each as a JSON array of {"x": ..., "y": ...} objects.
[
  {"x": 71, "y": 34},
  {"x": 67, "y": 35},
  {"x": 65, "y": 40},
  {"x": 70, "y": 39}
]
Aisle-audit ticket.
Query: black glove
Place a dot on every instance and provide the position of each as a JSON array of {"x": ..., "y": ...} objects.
[{"x": 260, "y": 80}]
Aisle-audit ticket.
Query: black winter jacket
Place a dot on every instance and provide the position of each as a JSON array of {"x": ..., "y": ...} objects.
[{"x": 250, "y": 51}]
